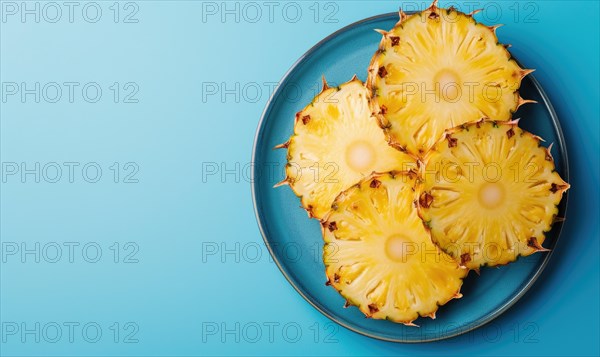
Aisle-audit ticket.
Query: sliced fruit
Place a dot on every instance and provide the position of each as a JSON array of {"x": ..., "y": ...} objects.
[
  {"x": 490, "y": 192},
  {"x": 379, "y": 256},
  {"x": 336, "y": 143},
  {"x": 438, "y": 69}
]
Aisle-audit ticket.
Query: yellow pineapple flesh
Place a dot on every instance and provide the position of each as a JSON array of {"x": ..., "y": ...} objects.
[
  {"x": 379, "y": 256},
  {"x": 490, "y": 192},
  {"x": 438, "y": 69},
  {"x": 336, "y": 143}
]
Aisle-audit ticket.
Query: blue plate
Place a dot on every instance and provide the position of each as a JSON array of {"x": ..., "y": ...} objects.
[{"x": 295, "y": 241}]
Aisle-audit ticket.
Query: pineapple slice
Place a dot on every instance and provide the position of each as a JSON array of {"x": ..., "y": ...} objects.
[
  {"x": 490, "y": 191},
  {"x": 379, "y": 256},
  {"x": 438, "y": 69},
  {"x": 336, "y": 143}
]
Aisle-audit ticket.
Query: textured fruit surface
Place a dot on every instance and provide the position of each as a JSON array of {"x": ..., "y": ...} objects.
[
  {"x": 490, "y": 192},
  {"x": 379, "y": 256},
  {"x": 438, "y": 69},
  {"x": 336, "y": 143}
]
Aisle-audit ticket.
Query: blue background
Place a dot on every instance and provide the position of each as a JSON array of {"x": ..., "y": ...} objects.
[{"x": 192, "y": 276}]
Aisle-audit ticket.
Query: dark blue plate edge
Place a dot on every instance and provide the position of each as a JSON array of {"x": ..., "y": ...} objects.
[{"x": 557, "y": 226}]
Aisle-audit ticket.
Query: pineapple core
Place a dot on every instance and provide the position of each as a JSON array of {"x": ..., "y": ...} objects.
[
  {"x": 491, "y": 195},
  {"x": 447, "y": 85},
  {"x": 395, "y": 248},
  {"x": 360, "y": 156}
]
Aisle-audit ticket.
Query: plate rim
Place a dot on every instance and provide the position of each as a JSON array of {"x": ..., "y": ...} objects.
[{"x": 479, "y": 323}]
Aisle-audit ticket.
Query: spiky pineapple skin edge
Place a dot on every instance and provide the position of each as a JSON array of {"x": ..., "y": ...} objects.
[
  {"x": 375, "y": 63},
  {"x": 331, "y": 275},
  {"x": 563, "y": 187}
]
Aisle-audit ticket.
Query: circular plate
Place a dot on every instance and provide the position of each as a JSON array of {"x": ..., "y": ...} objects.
[{"x": 295, "y": 241}]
